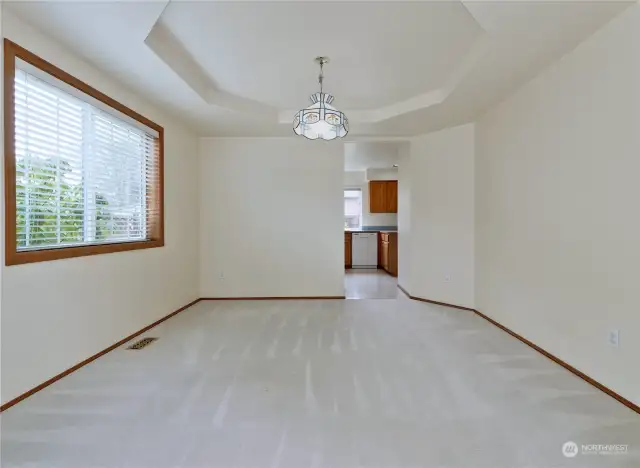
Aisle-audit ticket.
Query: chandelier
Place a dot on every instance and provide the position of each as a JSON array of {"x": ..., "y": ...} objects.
[{"x": 320, "y": 119}]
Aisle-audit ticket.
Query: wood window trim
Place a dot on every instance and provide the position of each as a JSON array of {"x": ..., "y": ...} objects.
[{"x": 13, "y": 51}]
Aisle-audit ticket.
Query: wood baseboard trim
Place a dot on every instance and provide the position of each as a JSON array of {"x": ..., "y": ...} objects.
[
  {"x": 54, "y": 379},
  {"x": 406, "y": 293},
  {"x": 422, "y": 299},
  {"x": 629, "y": 404},
  {"x": 272, "y": 298}
]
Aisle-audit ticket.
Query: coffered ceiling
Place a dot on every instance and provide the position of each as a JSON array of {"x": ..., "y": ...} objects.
[{"x": 397, "y": 68}]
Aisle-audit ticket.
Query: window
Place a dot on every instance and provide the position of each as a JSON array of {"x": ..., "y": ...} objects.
[
  {"x": 353, "y": 208},
  {"x": 83, "y": 173}
]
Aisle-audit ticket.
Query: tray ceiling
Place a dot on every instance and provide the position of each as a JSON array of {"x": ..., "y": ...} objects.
[{"x": 244, "y": 68}]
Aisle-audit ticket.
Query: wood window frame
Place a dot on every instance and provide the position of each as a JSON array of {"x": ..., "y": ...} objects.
[{"x": 155, "y": 225}]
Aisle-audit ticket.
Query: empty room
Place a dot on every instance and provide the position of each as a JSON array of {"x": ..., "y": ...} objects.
[{"x": 320, "y": 234}]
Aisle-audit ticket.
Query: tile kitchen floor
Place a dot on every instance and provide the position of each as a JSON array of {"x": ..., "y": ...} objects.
[{"x": 370, "y": 284}]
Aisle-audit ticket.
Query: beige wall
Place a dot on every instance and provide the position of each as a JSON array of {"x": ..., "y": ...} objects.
[
  {"x": 441, "y": 181},
  {"x": 404, "y": 217},
  {"x": 272, "y": 217},
  {"x": 56, "y": 314},
  {"x": 557, "y": 197}
]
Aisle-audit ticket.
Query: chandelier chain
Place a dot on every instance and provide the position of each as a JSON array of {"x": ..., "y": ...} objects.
[{"x": 321, "y": 75}]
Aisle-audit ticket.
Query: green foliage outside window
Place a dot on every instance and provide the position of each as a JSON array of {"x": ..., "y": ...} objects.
[{"x": 55, "y": 205}]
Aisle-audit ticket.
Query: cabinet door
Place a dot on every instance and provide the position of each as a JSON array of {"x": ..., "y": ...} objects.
[
  {"x": 385, "y": 255},
  {"x": 383, "y": 196},
  {"x": 391, "y": 196},
  {"x": 347, "y": 251},
  {"x": 377, "y": 196},
  {"x": 392, "y": 256}
]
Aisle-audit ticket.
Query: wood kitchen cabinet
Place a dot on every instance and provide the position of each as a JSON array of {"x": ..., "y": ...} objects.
[
  {"x": 347, "y": 250},
  {"x": 383, "y": 196},
  {"x": 389, "y": 254},
  {"x": 392, "y": 196},
  {"x": 385, "y": 255}
]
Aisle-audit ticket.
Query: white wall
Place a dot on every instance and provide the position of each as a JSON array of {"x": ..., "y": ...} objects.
[
  {"x": 357, "y": 179},
  {"x": 272, "y": 218},
  {"x": 404, "y": 216},
  {"x": 390, "y": 173},
  {"x": 354, "y": 179},
  {"x": 441, "y": 172},
  {"x": 557, "y": 207},
  {"x": 362, "y": 155},
  {"x": 56, "y": 314}
]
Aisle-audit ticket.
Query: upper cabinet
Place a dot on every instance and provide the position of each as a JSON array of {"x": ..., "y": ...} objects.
[
  {"x": 392, "y": 196},
  {"x": 383, "y": 196}
]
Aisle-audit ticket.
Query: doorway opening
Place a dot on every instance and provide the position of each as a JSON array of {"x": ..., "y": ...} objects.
[
  {"x": 370, "y": 253},
  {"x": 370, "y": 186}
]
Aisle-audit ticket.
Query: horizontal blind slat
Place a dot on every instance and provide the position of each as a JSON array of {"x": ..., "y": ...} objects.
[{"x": 83, "y": 177}]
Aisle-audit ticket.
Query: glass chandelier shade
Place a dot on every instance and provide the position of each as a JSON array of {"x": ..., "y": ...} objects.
[{"x": 320, "y": 120}]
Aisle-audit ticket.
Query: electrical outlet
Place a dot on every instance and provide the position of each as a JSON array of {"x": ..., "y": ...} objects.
[
  {"x": 447, "y": 278},
  {"x": 614, "y": 338},
  {"x": 222, "y": 275}
]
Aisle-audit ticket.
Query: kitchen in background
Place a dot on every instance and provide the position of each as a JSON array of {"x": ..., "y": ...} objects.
[{"x": 371, "y": 219}]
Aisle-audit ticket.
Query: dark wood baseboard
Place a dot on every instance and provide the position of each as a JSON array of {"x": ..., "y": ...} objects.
[
  {"x": 406, "y": 293},
  {"x": 422, "y": 299},
  {"x": 271, "y": 298},
  {"x": 54, "y": 379},
  {"x": 629, "y": 404},
  {"x": 569, "y": 367}
]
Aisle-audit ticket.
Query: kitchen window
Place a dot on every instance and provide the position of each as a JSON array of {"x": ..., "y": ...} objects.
[
  {"x": 83, "y": 173},
  {"x": 353, "y": 208}
]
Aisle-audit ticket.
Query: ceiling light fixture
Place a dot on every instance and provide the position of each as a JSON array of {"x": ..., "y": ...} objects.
[{"x": 321, "y": 120}]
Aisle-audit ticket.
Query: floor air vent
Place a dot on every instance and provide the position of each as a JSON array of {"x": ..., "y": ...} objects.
[{"x": 142, "y": 343}]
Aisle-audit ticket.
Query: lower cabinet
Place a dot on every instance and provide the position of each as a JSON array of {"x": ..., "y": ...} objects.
[
  {"x": 347, "y": 250},
  {"x": 384, "y": 260},
  {"x": 389, "y": 252}
]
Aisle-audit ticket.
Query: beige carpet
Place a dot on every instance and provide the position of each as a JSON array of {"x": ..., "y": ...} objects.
[{"x": 380, "y": 383}]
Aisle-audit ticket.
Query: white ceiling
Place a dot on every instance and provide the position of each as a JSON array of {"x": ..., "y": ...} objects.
[
  {"x": 380, "y": 53},
  {"x": 244, "y": 68}
]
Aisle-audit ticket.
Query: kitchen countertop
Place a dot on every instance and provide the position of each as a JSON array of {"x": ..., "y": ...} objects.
[
  {"x": 369, "y": 230},
  {"x": 374, "y": 229}
]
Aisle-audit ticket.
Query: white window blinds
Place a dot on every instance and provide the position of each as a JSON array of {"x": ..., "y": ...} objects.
[{"x": 83, "y": 175}]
